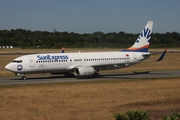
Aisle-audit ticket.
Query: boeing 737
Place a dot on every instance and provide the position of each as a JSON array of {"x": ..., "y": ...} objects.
[{"x": 84, "y": 64}]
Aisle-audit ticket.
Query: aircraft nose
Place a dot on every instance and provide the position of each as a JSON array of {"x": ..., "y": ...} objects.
[{"x": 8, "y": 67}]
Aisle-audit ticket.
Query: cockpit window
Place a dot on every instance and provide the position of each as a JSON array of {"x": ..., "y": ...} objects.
[{"x": 17, "y": 61}]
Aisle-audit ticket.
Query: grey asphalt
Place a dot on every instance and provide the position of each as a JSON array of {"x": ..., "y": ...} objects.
[{"x": 54, "y": 79}]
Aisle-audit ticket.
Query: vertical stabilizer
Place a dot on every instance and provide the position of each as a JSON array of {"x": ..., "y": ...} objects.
[{"x": 143, "y": 41}]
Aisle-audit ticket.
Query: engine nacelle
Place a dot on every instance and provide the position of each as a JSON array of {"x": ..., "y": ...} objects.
[{"x": 84, "y": 71}]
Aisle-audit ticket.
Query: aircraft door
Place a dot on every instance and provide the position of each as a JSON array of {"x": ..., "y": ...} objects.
[{"x": 31, "y": 62}]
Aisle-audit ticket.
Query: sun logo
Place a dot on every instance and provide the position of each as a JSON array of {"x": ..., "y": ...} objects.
[
  {"x": 19, "y": 67},
  {"x": 146, "y": 33}
]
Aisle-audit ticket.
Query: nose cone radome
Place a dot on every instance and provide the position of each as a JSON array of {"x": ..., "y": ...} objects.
[{"x": 8, "y": 67}]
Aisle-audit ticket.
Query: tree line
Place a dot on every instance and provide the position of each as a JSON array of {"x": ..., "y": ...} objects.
[{"x": 43, "y": 39}]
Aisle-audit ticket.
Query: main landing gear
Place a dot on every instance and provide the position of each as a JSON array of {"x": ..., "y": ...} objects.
[{"x": 96, "y": 75}]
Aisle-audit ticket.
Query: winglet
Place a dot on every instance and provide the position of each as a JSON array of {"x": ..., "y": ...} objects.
[
  {"x": 162, "y": 55},
  {"x": 62, "y": 51}
]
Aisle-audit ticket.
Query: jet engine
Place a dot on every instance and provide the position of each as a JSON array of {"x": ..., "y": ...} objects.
[{"x": 84, "y": 71}]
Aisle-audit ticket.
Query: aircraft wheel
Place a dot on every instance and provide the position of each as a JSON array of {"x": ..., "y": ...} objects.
[
  {"x": 69, "y": 75},
  {"x": 24, "y": 77},
  {"x": 96, "y": 75}
]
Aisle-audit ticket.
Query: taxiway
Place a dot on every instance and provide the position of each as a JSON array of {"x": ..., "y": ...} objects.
[{"x": 55, "y": 79}]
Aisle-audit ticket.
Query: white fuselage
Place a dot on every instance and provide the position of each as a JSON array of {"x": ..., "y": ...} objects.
[{"x": 66, "y": 62}]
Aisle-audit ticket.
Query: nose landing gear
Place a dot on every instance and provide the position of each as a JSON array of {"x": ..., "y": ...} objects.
[{"x": 22, "y": 76}]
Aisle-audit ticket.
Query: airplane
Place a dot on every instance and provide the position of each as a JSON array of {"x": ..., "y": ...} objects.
[{"x": 84, "y": 64}]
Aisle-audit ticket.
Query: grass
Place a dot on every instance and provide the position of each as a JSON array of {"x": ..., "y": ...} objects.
[{"x": 88, "y": 100}]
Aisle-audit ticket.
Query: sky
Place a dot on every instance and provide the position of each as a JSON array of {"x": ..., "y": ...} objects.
[{"x": 88, "y": 16}]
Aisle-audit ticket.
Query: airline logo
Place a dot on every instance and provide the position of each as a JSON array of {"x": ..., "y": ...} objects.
[
  {"x": 54, "y": 57},
  {"x": 19, "y": 67},
  {"x": 145, "y": 33}
]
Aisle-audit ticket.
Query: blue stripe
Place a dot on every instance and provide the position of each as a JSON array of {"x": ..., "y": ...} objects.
[{"x": 139, "y": 50}]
